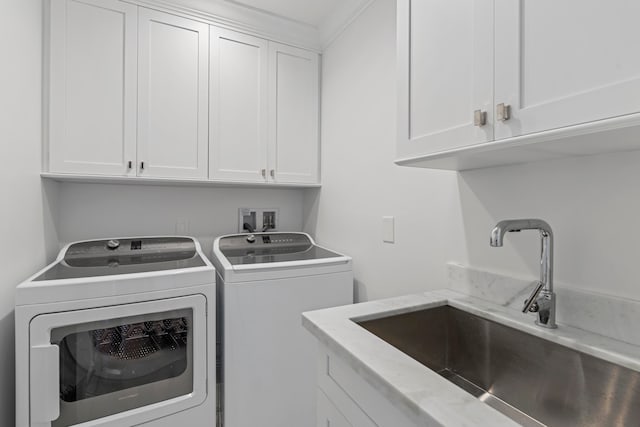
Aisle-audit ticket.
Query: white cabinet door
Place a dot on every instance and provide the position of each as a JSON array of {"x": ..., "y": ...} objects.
[
  {"x": 565, "y": 63},
  {"x": 445, "y": 66},
  {"x": 92, "y": 83},
  {"x": 293, "y": 115},
  {"x": 238, "y": 117},
  {"x": 173, "y": 90},
  {"x": 327, "y": 414}
]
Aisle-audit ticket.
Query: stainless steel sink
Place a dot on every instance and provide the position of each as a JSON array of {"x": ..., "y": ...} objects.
[{"x": 533, "y": 381}]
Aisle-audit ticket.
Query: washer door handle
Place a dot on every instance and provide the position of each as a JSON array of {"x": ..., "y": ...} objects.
[{"x": 44, "y": 383}]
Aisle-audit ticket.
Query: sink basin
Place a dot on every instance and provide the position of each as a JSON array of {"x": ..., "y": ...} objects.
[{"x": 533, "y": 381}]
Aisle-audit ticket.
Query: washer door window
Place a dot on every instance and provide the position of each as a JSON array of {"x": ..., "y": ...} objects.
[{"x": 132, "y": 362}]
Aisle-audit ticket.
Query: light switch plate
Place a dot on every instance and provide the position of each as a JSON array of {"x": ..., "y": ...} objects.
[{"x": 388, "y": 229}]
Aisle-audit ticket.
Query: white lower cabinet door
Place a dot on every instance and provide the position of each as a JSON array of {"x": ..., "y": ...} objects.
[
  {"x": 293, "y": 115},
  {"x": 173, "y": 88},
  {"x": 328, "y": 415},
  {"x": 238, "y": 117},
  {"x": 565, "y": 63},
  {"x": 92, "y": 87}
]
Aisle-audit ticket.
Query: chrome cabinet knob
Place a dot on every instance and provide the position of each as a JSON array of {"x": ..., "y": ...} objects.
[
  {"x": 479, "y": 118},
  {"x": 503, "y": 112},
  {"x": 251, "y": 238}
]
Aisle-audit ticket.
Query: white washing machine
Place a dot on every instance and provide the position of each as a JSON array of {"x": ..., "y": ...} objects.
[
  {"x": 265, "y": 282},
  {"x": 118, "y": 333}
]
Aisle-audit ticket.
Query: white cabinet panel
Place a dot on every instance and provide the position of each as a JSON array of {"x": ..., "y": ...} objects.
[
  {"x": 328, "y": 415},
  {"x": 172, "y": 96},
  {"x": 141, "y": 93},
  {"x": 92, "y": 86},
  {"x": 565, "y": 63},
  {"x": 351, "y": 397},
  {"x": 445, "y": 58},
  {"x": 238, "y": 124},
  {"x": 293, "y": 110}
]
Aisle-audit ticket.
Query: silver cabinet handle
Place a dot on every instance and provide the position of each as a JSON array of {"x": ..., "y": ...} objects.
[
  {"x": 503, "y": 112},
  {"x": 479, "y": 118},
  {"x": 263, "y": 172},
  {"x": 129, "y": 165},
  {"x": 273, "y": 173},
  {"x": 141, "y": 166}
]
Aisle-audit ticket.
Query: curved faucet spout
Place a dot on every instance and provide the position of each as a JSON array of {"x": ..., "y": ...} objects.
[
  {"x": 517, "y": 225},
  {"x": 547, "y": 297}
]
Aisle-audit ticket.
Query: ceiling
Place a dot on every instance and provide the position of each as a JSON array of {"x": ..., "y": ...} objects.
[{"x": 311, "y": 12}]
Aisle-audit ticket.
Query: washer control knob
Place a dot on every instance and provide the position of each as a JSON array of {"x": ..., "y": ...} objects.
[
  {"x": 113, "y": 244},
  {"x": 251, "y": 238}
]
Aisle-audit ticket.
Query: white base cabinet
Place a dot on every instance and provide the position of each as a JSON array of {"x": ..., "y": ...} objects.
[
  {"x": 327, "y": 413},
  {"x": 490, "y": 82},
  {"x": 346, "y": 399}
]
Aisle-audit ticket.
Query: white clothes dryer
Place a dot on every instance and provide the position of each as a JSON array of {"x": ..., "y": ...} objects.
[
  {"x": 265, "y": 282},
  {"x": 118, "y": 332}
]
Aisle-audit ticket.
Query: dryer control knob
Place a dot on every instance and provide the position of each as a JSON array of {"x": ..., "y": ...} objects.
[
  {"x": 251, "y": 238},
  {"x": 113, "y": 244}
]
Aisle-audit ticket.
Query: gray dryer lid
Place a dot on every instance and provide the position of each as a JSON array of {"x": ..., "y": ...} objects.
[{"x": 124, "y": 256}]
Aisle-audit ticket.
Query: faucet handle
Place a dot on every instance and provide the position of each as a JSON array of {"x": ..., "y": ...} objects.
[{"x": 530, "y": 304}]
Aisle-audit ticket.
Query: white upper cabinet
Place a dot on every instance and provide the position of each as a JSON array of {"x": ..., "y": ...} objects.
[
  {"x": 565, "y": 63},
  {"x": 141, "y": 93},
  {"x": 238, "y": 124},
  {"x": 553, "y": 78},
  {"x": 173, "y": 88},
  {"x": 293, "y": 110},
  {"x": 445, "y": 65},
  {"x": 92, "y": 81}
]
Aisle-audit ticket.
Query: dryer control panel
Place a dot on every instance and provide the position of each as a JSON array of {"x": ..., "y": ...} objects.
[{"x": 123, "y": 256}]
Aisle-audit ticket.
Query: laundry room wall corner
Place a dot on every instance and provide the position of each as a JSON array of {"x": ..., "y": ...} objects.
[
  {"x": 28, "y": 209},
  {"x": 361, "y": 184}
]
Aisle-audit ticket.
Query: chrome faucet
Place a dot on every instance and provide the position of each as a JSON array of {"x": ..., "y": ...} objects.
[{"x": 542, "y": 300}]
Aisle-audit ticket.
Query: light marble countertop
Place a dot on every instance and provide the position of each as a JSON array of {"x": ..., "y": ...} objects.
[{"x": 420, "y": 393}]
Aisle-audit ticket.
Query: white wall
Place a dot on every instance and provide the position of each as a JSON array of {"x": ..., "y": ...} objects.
[
  {"x": 89, "y": 211},
  {"x": 26, "y": 206},
  {"x": 360, "y": 182},
  {"x": 592, "y": 203}
]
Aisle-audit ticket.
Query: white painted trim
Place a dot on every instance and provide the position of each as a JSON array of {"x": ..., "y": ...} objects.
[
  {"x": 340, "y": 20},
  {"x": 571, "y": 141},
  {"x": 244, "y": 19},
  {"x": 107, "y": 179},
  {"x": 256, "y": 22}
]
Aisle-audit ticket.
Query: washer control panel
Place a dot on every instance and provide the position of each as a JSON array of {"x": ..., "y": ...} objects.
[{"x": 264, "y": 240}]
